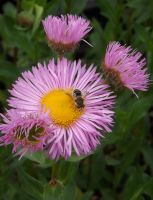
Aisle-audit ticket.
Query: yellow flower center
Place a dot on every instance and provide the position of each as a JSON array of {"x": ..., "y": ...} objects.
[{"x": 62, "y": 108}]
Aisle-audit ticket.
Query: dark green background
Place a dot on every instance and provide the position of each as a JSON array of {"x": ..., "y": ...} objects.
[{"x": 122, "y": 167}]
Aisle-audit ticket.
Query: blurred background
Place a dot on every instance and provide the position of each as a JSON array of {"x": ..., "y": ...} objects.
[{"x": 122, "y": 167}]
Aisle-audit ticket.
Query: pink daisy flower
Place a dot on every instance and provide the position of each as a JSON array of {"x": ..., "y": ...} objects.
[
  {"x": 65, "y": 32},
  {"x": 77, "y": 100},
  {"x": 125, "y": 67},
  {"x": 26, "y": 132}
]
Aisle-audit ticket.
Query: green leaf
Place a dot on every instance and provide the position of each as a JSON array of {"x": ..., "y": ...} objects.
[
  {"x": 76, "y": 7},
  {"x": 66, "y": 171},
  {"x": 75, "y": 158},
  {"x": 10, "y": 10},
  {"x": 41, "y": 158},
  {"x": 60, "y": 191},
  {"x": 38, "y": 16},
  {"x": 31, "y": 186},
  {"x": 69, "y": 191},
  {"x": 112, "y": 161},
  {"x": 87, "y": 195},
  {"x": 136, "y": 184},
  {"x": 8, "y": 71},
  {"x": 53, "y": 192},
  {"x": 147, "y": 151},
  {"x": 139, "y": 109}
]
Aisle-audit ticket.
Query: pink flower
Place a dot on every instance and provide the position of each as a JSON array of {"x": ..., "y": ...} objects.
[
  {"x": 65, "y": 32},
  {"x": 26, "y": 132},
  {"x": 125, "y": 67},
  {"x": 77, "y": 100}
]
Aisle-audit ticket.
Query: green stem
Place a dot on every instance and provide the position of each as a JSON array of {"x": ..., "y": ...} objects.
[
  {"x": 68, "y": 6},
  {"x": 54, "y": 175},
  {"x": 54, "y": 170}
]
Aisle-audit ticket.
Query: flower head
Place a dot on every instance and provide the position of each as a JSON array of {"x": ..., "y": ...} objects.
[
  {"x": 125, "y": 67},
  {"x": 26, "y": 132},
  {"x": 79, "y": 118},
  {"x": 65, "y": 32}
]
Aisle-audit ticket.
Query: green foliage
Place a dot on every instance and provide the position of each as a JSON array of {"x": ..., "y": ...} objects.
[
  {"x": 40, "y": 158},
  {"x": 122, "y": 167}
]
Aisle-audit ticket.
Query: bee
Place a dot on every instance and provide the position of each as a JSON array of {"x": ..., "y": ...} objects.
[{"x": 77, "y": 96}]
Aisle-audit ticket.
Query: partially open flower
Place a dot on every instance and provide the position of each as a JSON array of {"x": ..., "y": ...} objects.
[
  {"x": 26, "y": 132},
  {"x": 78, "y": 102},
  {"x": 124, "y": 67},
  {"x": 65, "y": 32}
]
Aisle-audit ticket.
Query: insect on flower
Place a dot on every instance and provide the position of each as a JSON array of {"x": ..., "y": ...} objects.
[
  {"x": 78, "y": 98},
  {"x": 73, "y": 123}
]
